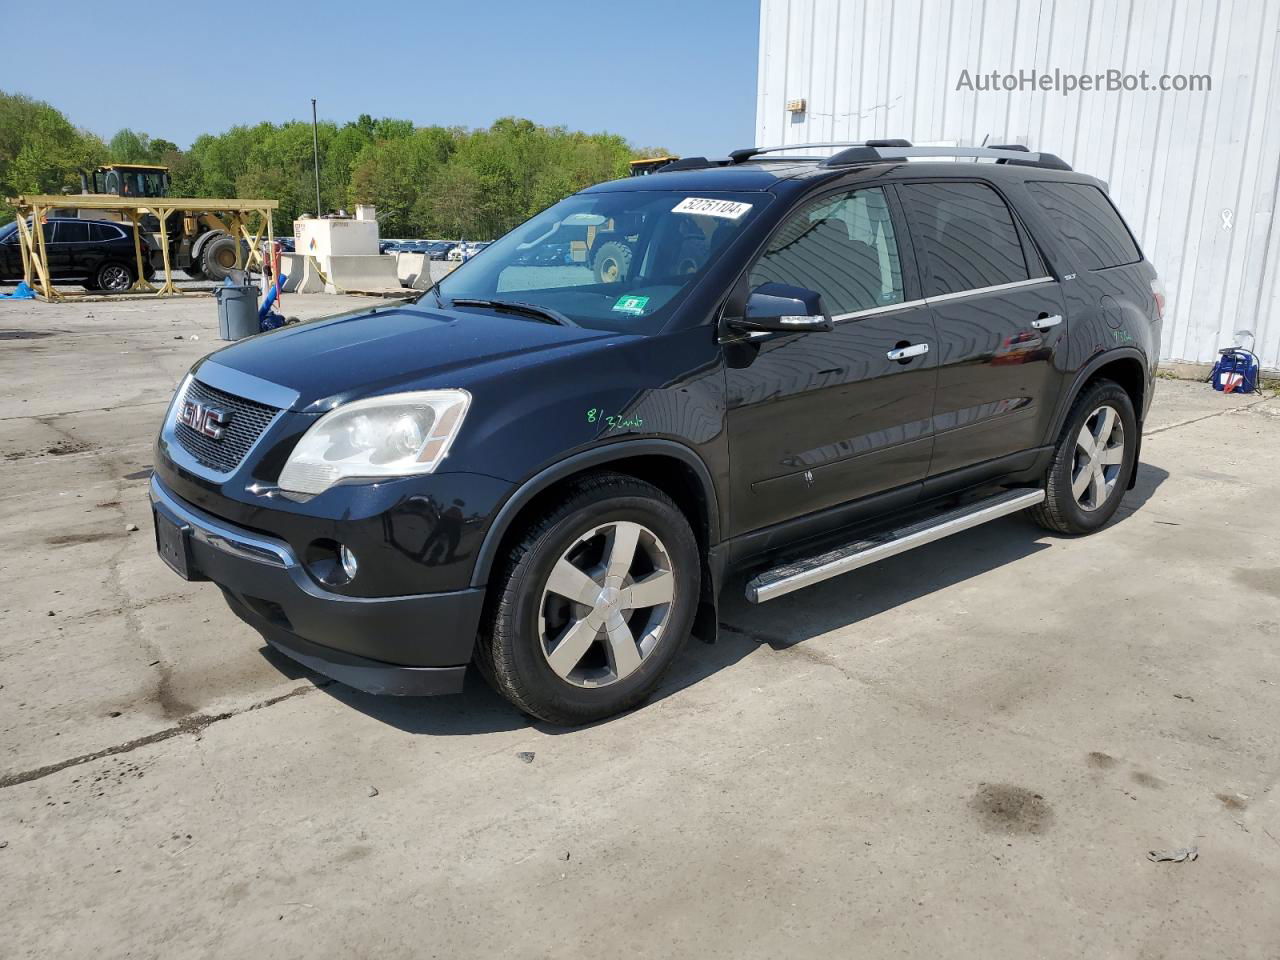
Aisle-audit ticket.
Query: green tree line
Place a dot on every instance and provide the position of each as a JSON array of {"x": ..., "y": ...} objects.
[{"x": 425, "y": 181}]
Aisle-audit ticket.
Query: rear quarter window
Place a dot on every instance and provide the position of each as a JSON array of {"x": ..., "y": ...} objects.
[{"x": 1088, "y": 221}]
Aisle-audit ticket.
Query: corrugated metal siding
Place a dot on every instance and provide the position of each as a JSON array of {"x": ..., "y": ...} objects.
[{"x": 1181, "y": 165}]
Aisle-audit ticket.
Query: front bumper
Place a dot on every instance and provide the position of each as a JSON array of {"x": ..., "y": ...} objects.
[{"x": 406, "y": 645}]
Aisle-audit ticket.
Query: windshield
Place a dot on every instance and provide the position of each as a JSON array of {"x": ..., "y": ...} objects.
[{"x": 614, "y": 261}]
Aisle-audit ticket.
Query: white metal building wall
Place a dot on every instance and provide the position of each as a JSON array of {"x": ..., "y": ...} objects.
[{"x": 1196, "y": 174}]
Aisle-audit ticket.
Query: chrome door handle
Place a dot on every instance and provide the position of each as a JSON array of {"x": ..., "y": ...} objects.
[
  {"x": 906, "y": 353},
  {"x": 1044, "y": 323}
]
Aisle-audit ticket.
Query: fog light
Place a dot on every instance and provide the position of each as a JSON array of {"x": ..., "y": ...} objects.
[{"x": 349, "y": 565}]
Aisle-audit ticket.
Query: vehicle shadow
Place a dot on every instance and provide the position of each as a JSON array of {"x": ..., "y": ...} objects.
[{"x": 790, "y": 620}]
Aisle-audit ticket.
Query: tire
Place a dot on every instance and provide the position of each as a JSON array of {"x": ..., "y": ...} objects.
[
  {"x": 113, "y": 277},
  {"x": 597, "y": 673},
  {"x": 1100, "y": 470},
  {"x": 218, "y": 257},
  {"x": 612, "y": 262}
]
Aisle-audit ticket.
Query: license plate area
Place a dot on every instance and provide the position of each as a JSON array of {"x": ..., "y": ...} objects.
[{"x": 173, "y": 543}]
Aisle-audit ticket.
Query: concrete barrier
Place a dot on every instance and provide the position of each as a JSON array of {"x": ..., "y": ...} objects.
[
  {"x": 366, "y": 274},
  {"x": 436, "y": 271},
  {"x": 409, "y": 266},
  {"x": 310, "y": 281},
  {"x": 292, "y": 266}
]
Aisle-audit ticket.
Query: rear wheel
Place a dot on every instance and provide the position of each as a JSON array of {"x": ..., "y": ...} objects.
[
  {"x": 218, "y": 258},
  {"x": 1092, "y": 462},
  {"x": 592, "y": 603},
  {"x": 112, "y": 277}
]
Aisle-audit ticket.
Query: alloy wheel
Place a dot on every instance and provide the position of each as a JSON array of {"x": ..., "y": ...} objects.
[
  {"x": 1099, "y": 457},
  {"x": 115, "y": 277},
  {"x": 606, "y": 604}
]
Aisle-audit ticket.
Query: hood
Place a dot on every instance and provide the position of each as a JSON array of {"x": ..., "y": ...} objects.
[{"x": 406, "y": 345}]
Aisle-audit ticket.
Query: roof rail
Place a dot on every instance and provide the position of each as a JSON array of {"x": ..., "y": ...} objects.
[
  {"x": 875, "y": 151},
  {"x": 739, "y": 156},
  {"x": 1018, "y": 154}
]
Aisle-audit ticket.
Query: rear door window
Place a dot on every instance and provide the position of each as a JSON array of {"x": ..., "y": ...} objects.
[
  {"x": 73, "y": 231},
  {"x": 844, "y": 247},
  {"x": 966, "y": 235},
  {"x": 1089, "y": 222}
]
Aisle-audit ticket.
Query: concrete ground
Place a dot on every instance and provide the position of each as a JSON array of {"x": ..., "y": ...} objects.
[{"x": 967, "y": 750}]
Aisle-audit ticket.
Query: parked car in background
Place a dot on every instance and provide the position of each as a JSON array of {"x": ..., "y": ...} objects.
[
  {"x": 439, "y": 249},
  {"x": 97, "y": 253}
]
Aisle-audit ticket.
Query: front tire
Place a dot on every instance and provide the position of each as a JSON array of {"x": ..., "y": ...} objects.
[
  {"x": 592, "y": 603},
  {"x": 1092, "y": 462}
]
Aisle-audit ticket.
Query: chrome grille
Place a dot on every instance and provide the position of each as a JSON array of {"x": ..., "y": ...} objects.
[{"x": 246, "y": 421}]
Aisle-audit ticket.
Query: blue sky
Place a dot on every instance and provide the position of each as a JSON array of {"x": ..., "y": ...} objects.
[{"x": 680, "y": 75}]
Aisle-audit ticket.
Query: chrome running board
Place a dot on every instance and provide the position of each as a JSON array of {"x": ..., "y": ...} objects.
[{"x": 803, "y": 573}]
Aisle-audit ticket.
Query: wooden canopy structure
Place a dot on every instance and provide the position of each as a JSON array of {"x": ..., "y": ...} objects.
[{"x": 230, "y": 216}]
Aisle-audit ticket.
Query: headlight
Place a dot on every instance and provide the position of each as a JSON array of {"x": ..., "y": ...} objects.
[{"x": 393, "y": 436}]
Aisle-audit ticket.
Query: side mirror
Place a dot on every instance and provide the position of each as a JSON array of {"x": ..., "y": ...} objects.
[{"x": 782, "y": 308}]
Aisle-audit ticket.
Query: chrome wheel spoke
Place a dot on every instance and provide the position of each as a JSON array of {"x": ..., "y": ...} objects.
[
  {"x": 1111, "y": 456},
  {"x": 1106, "y": 423},
  {"x": 624, "y": 655},
  {"x": 570, "y": 582},
  {"x": 1082, "y": 479},
  {"x": 622, "y": 550},
  {"x": 573, "y": 645},
  {"x": 1086, "y": 441},
  {"x": 655, "y": 589}
]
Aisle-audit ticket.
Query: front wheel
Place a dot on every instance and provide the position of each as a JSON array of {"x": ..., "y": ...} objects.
[
  {"x": 1093, "y": 461},
  {"x": 593, "y": 602}
]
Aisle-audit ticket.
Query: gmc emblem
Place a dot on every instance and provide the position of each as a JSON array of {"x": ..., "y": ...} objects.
[{"x": 210, "y": 421}]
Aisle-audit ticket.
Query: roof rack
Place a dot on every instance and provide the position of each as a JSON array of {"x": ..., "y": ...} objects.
[
  {"x": 1018, "y": 155},
  {"x": 875, "y": 151}
]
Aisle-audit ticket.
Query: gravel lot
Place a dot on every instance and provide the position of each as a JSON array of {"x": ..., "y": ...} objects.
[{"x": 967, "y": 750}]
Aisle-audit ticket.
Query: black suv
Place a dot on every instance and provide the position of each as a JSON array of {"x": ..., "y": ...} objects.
[
  {"x": 547, "y": 468},
  {"x": 99, "y": 253}
]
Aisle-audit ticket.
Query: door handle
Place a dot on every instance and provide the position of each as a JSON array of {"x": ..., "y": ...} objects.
[
  {"x": 1044, "y": 321},
  {"x": 906, "y": 353}
]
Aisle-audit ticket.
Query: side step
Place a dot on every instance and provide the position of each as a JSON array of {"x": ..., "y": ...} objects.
[{"x": 803, "y": 573}]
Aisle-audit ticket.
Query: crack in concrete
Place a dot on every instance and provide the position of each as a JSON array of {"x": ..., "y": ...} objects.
[
  {"x": 189, "y": 724},
  {"x": 1208, "y": 416}
]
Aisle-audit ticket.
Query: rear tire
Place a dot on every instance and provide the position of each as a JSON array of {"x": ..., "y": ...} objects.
[
  {"x": 1092, "y": 462},
  {"x": 112, "y": 277},
  {"x": 218, "y": 258},
  {"x": 592, "y": 603}
]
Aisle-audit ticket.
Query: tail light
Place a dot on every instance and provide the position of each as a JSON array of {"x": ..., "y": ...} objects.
[{"x": 1157, "y": 294}]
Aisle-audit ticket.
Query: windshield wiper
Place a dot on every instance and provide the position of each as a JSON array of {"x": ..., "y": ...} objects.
[{"x": 544, "y": 314}]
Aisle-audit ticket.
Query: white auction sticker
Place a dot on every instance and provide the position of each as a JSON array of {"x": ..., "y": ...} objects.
[{"x": 706, "y": 207}]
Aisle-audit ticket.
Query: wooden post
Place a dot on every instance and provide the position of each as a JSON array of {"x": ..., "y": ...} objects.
[
  {"x": 163, "y": 214},
  {"x": 42, "y": 258},
  {"x": 24, "y": 246},
  {"x": 236, "y": 229},
  {"x": 141, "y": 283}
]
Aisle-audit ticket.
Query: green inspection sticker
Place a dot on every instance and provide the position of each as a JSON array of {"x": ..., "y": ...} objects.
[{"x": 630, "y": 304}]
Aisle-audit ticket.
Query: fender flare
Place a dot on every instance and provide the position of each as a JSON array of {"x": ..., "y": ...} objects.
[
  {"x": 600, "y": 456},
  {"x": 1100, "y": 360},
  {"x": 198, "y": 245}
]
